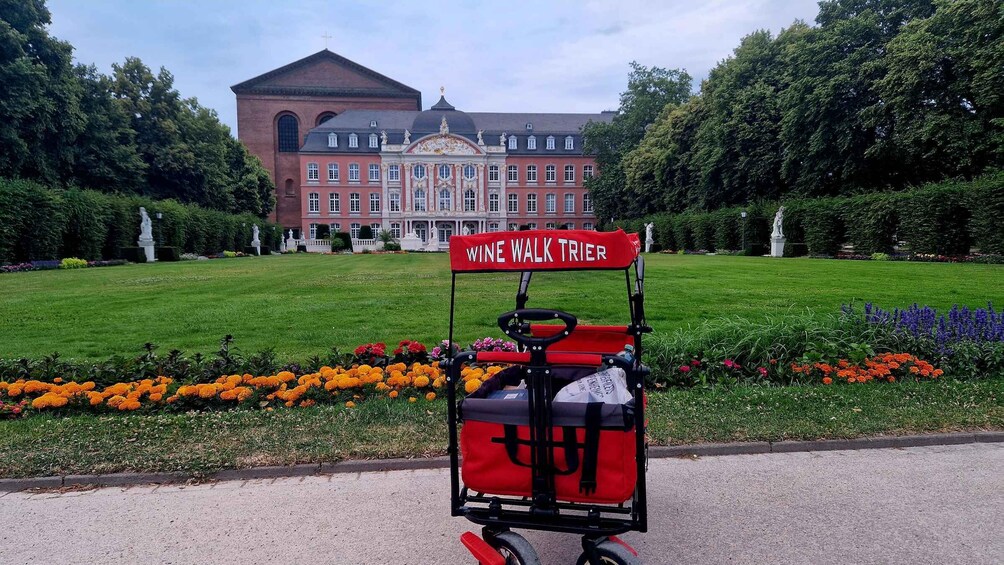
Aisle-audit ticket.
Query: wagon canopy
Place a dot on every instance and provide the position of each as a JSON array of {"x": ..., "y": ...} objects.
[{"x": 543, "y": 250}]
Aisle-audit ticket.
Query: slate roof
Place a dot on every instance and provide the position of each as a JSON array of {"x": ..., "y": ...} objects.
[
  {"x": 390, "y": 89},
  {"x": 394, "y": 122}
]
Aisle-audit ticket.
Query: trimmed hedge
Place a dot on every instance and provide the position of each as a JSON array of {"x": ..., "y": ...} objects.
[
  {"x": 39, "y": 223},
  {"x": 945, "y": 218}
]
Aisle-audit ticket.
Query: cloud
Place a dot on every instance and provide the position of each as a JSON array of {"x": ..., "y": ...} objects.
[{"x": 565, "y": 56}]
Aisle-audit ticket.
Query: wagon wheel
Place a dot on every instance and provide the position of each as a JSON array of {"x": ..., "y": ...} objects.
[
  {"x": 611, "y": 553},
  {"x": 514, "y": 548}
]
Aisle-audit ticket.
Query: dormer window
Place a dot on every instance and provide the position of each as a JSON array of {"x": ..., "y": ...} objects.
[
  {"x": 373, "y": 123},
  {"x": 332, "y": 139},
  {"x": 529, "y": 126},
  {"x": 531, "y": 142},
  {"x": 569, "y": 143},
  {"x": 374, "y": 141},
  {"x": 512, "y": 142},
  {"x": 353, "y": 140},
  {"x": 550, "y": 143}
]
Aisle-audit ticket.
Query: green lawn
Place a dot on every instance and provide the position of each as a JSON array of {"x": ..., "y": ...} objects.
[
  {"x": 302, "y": 305},
  {"x": 378, "y": 428}
]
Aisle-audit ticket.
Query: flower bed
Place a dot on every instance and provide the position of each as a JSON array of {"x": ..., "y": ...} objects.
[{"x": 71, "y": 263}]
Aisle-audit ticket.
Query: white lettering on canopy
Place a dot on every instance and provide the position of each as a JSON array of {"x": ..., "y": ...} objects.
[{"x": 537, "y": 249}]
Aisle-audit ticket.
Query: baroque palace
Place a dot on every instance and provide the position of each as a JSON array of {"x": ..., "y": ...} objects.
[{"x": 349, "y": 147}]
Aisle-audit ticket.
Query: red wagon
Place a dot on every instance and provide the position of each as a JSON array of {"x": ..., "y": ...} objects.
[{"x": 529, "y": 461}]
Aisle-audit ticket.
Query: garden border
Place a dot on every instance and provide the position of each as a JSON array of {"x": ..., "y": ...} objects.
[{"x": 442, "y": 462}]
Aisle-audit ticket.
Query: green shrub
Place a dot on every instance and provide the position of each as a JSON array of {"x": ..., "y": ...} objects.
[
  {"x": 821, "y": 222},
  {"x": 934, "y": 220},
  {"x": 703, "y": 232},
  {"x": 727, "y": 224},
  {"x": 872, "y": 221},
  {"x": 365, "y": 232},
  {"x": 133, "y": 254},
  {"x": 392, "y": 246},
  {"x": 880, "y": 257},
  {"x": 344, "y": 242},
  {"x": 323, "y": 231},
  {"x": 985, "y": 201},
  {"x": 73, "y": 263},
  {"x": 682, "y": 235},
  {"x": 168, "y": 254}
]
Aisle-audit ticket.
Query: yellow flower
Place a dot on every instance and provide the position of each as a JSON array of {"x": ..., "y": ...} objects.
[
  {"x": 422, "y": 381},
  {"x": 472, "y": 385},
  {"x": 350, "y": 404},
  {"x": 412, "y": 399},
  {"x": 430, "y": 396},
  {"x": 393, "y": 394}
]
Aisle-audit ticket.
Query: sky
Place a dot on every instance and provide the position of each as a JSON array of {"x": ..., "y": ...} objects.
[{"x": 541, "y": 56}]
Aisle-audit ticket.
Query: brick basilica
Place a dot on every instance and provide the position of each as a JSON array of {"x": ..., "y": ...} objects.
[{"x": 350, "y": 147}]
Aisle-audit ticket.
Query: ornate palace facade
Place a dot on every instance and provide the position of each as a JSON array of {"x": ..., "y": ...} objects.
[{"x": 434, "y": 173}]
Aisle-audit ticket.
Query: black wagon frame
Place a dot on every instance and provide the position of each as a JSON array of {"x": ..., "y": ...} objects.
[{"x": 541, "y": 511}]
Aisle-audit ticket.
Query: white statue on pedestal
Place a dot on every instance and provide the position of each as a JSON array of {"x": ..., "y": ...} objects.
[
  {"x": 383, "y": 137},
  {"x": 502, "y": 139},
  {"x": 777, "y": 238},
  {"x": 407, "y": 137},
  {"x": 481, "y": 139},
  {"x": 649, "y": 239},
  {"x": 146, "y": 235},
  {"x": 255, "y": 242}
]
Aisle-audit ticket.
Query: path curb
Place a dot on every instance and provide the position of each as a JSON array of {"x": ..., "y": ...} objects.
[{"x": 403, "y": 464}]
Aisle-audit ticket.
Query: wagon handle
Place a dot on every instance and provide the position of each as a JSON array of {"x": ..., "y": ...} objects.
[{"x": 512, "y": 322}]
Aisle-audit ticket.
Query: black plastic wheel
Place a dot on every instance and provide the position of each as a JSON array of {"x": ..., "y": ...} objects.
[
  {"x": 611, "y": 553},
  {"x": 515, "y": 549}
]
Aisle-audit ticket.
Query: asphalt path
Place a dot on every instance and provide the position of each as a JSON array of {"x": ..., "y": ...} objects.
[{"x": 915, "y": 505}]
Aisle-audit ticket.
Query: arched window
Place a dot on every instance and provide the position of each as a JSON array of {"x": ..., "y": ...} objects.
[
  {"x": 468, "y": 172},
  {"x": 470, "y": 201},
  {"x": 289, "y": 134},
  {"x": 420, "y": 200},
  {"x": 290, "y": 191},
  {"x": 325, "y": 117},
  {"x": 444, "y": 171},
  {"x": 444, "y": 199},
  {"x": 419, "y": 172}
]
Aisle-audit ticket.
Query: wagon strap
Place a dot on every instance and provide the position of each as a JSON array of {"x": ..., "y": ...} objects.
[
  {"x": 568, "y": 443},
  {"x": 591, "y": 450}
]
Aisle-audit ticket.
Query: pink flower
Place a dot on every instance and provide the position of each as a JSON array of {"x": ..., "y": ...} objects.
[
  {"x": 684, "y": 368},
  {"x": 729, "y": 363},
  {"x": 696, "y": 362},
  {"x": 763, "y": 371}
]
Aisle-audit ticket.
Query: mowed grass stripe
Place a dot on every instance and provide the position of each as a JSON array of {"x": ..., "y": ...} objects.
[{"x": 303, "y": 305}]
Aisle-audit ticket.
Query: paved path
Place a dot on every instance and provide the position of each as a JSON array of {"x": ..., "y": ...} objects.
[{"x": 916, "y": 505}]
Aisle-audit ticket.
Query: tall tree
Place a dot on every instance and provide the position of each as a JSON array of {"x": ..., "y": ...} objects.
[{"x": 649, "y": 91}]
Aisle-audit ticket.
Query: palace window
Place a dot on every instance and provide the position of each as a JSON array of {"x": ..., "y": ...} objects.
[
  {"x": 374, "y": 172},
  {"x": 493, "y": 202},
  {"x": 531, "y": 173},
  {"x": 570, "y": 226},
  {"x": 289, "y": 134},
  {"x": 512, "y": 173},
  {"x": 587, "y": 226},
  {"x": 332, "y": 172},
  {"x": 334, "y": 203},
  {"x": 354, "y": 207},
  {"x": 587, "y": 172},
  {"x": 468, "y": 172},
  {"x": 353, "y": 172},
  {"x": 313, "y": 203},
  {"x": 550, "y": 226},
  {"x": 374, "y": 141},
  {"x": 444, "y": 199},
  {"x": 376, "y": 230},
  {"x": 354, "y": 231},
  {"x": 569, "y": 173},
  {"x": 374, "y": 203},
  {"x": 445, "y": 233},
  {"x": 513, "y": 227},
  {"x": 470, "y": 201},
  {"x": 394, "y": 173},
  {"x": 335, "y": 228},
  {"x": 394, "y": 201},
  {"x": 532, "y": 225},
  {"x": 550, "y": 173},
  {"x": 395, "y": 230},
  {"x": 373, "y": 123},
  {"x": 353, "y": 140},
  {"x": 550, "y": 143},
  {"x": 551, "y": 203},
  {"x": 313, "y": 172},
  {"x": 531, "y": 142},
  {"x": 587, "y": 203},
  {"x": 493, "y": 173},
  {"x": 569, "y": 143},
  {"x": 313, "y": 231},
  {"x": 513, "y": 144},
  {"x": 420, "y": 200},
  {"x": 444, "y": 171},
  {"x": 419, "y": 171},
  {"x": 493, "y": 226},
  {"x": 531, "y": 203},
  {"x": 569, "y": 203},
  {"x": 332, "y": 139},
  {"x": 513, "y": 203}
]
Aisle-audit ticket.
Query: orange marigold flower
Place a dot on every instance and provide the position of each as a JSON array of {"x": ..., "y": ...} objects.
[
  {"x": 472, "y": 385},
  {"x": 422, "y": 382},
  {"x": 827, "y": 381},
  {"x": 430, "y": 396},
  {"x": 350, "y": 404},
  {"x": 393, "y": 394}
]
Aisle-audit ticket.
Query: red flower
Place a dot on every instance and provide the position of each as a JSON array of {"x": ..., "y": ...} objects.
[
  {"x": 416, "y": 347},
  {"x": 684, "y": 368},
  {"x": 696, "y": 362},
  {"x": 729, "y": 363},
  {"x": 763, "y": 371}
]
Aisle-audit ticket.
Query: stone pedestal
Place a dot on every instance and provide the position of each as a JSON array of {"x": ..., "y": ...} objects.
[
  {"x": 411, "y": 242},
  {"x": 777, "y": 246},
  {"x": 148, "y": 249},
  {"x": 257, "y": 246},
  {"x": 291, "y": 244}
]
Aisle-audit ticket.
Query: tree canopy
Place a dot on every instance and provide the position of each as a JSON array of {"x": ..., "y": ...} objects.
[
  {"x": 130, "y": 132},
  {"x": 879, "y": 94}
]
